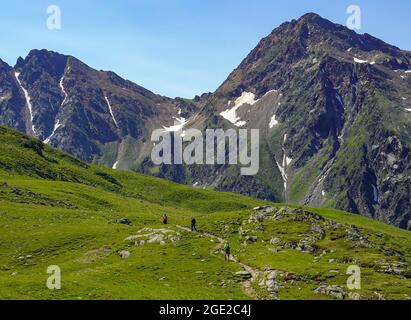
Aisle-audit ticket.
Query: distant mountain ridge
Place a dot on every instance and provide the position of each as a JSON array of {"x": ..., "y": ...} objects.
[{"x": 333, "y": 108}]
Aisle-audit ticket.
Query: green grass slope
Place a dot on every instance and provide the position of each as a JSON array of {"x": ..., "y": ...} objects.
[{"x": 57, "y": 210}]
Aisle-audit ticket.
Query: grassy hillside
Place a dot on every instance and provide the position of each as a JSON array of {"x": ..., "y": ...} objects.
[{"x": 57, "y": 210}]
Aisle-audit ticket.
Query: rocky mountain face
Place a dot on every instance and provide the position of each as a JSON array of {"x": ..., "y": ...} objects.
[
  {"x": 94, "y": 115},
  {"x": 333, "y": 108}
]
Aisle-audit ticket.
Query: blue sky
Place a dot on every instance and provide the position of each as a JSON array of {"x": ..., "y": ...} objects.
[{"x": 176, "y": 47}]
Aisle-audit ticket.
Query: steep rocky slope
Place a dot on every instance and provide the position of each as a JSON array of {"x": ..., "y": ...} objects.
[
  {"x": 94, "y": 115},
  {"x": 334, "y": 113}
]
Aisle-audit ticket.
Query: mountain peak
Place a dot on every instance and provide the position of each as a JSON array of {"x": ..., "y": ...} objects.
[
  {"x": 40, "y": 55},
  {"x": 4, "y": 65},
  {"x": 19, "y": 63},
  {"x": 311, "y": 16},
  {"x": 314, "y": 19}
]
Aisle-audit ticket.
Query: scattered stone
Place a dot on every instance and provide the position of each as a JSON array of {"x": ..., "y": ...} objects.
[
  {"x": 140, "y": 243},
  {"x": 156, "y": 238},
  {"x": 355, "y": 296},
  {"x": 395, "y": 268},
  {"x": 250, "y": 239},
  {"x": 317, "y": 229},
  {"x": 275, "y": 240},
  {"x": 272, "y": 275},
  {"x": 149, "y": 235},
  {"x": 124, "y": 254},
  {"x": 333, "y": 291},
  {"x": 272, "y": 286},
  {"x": 357, "y": 237},
  {"x": 337, "y": 226},
  {"x": 378, "y": 296},
  {"x": 289, "y": 245}
]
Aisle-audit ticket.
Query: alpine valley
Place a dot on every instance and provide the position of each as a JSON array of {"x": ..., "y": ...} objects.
[
  {"x": 333, "y": 108},
  {"x": 334, "y": 113}
]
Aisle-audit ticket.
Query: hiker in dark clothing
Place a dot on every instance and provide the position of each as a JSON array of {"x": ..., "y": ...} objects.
[
  {"x": 227, "y": 251},
  {"x": 193, "y": 224},
  {"x": 165, "y": 219}
]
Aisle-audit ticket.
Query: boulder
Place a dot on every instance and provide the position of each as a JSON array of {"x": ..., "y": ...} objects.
[
  {"x": 275, "y": 240},
  {"x": 272, "y": 275},
  {"x": 272, "y": 286},
  {"x": 317, "y": 229},
  {"x": 156, "y": 238},
  {"x": 124, "y": 254},
  {"x": 140, "y": 243},
  {"x": 332, "y": 291},
  {"x": 250, "y": 239}
]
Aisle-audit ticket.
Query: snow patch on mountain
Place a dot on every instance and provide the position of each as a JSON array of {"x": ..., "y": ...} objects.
[
  {"x": 111, "y": 111},
  {"x": 231, "y": 114},
  {"x": 283, "y": 167},
  {"x": 63, "y": 90},
  {"x": 245, "y": 98},
  {"x": 283, "y": 174},
  {"x": 56, "y": 126},
  {"x": 179, "y": 124},
  {"x": 273, "y": 122},
  {"x": 28, "y": 101},
  {"x": 240, "y": 123},
  {"x": 360, "y": 61}
]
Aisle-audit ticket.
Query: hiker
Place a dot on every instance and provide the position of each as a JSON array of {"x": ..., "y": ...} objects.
[
  {"x": 226, "y": 251},
  {"x": 193, "y": 224},
  {"x": 165, "y": 219}
]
